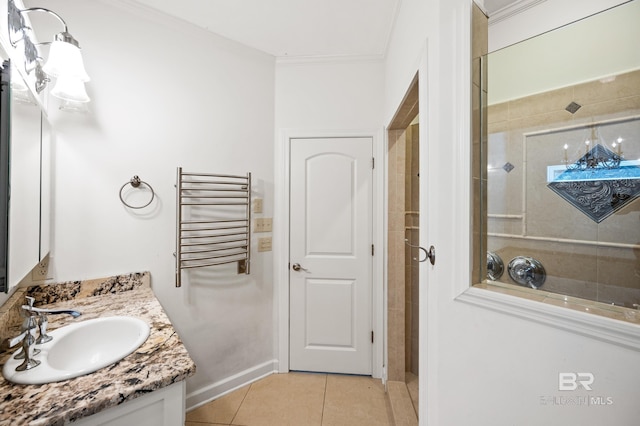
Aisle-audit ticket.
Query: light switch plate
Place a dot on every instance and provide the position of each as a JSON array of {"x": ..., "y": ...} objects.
[
  {"x": 262, "y": 224},
  {"x": 257, "y": 205},
  {"x": 264, "y": 244}
]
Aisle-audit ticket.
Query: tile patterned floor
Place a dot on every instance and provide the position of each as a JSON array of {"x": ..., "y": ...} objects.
[
  {"x": 412, "y": 386},
  {"x": 299, "y": 399}
]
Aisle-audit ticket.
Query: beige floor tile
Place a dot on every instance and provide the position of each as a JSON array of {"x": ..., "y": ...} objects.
[
  {"x": 219, "y": 411},
  {"x": 401, "y": 405},
  {"x": 293, "y": 399},
  {"x": 355, "y": 401},
  {"x": 412, "y": 385},
  {"x": 187, "y": 423}
]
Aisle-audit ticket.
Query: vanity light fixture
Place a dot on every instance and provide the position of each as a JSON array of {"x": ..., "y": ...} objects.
[{"x": 64, "y": 63}]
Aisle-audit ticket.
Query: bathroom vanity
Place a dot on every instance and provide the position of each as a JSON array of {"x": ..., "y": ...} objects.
[{"x": 146, "y": 387}]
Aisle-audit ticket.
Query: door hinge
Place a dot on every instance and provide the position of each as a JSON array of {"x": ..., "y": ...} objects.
[
  {"x": 373, "y": 162},
  {"x": 371, "y": 336},
  {"x": 373, "y": 250}
]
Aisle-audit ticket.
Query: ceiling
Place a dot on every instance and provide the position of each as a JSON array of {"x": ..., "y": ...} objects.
[{"x": 297, "y": 28}]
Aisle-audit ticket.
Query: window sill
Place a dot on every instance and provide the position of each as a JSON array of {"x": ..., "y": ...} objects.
[{"x": 612, "y": 324}]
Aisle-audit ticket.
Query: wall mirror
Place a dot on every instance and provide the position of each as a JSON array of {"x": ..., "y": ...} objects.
[
  {"x": 26, "y": 158},
  {"x": 557, "y": 218}
]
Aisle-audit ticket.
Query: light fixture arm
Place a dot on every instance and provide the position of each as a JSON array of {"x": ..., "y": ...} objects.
[
  {"x": 42, "y": 9},
  {"x": 64, "y": 36}
]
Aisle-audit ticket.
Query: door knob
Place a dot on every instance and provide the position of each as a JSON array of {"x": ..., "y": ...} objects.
[
  {"x": 428, "y": 254},
  {"x": 296, "y": 267}
]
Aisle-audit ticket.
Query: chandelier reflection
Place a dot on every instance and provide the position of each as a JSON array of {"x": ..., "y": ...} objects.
[{"x": 597, "y": 156}]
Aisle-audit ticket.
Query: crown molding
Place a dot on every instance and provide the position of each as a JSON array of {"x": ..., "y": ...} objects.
[
  {"x": 329, "y": 59},
  {"x": 513, "y": 9}
]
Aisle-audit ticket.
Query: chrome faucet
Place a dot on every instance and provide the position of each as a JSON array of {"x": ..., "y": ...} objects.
[
  {"x": 27, "y": 337},
  {"x": 41, "y": 314},
  {"x": 35, "y": 318}
]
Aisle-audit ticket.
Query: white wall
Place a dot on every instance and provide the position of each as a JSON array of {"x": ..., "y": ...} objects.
[
  {"x": 331, "y": 97},
  {"x": 164, "y": 95},
  {"x": 480, "y": 367}
]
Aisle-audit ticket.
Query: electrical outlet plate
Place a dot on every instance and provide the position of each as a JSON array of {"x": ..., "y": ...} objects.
[{"x": 41, "y": 270}]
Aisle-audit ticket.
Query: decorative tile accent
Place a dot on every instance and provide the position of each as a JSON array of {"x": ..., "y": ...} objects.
[
  {"x": 573, "y": 107},
  {"x": 508, "y": 167},
  {"x": 598, "y": 192},
  {"x": 598, "y": 199}
]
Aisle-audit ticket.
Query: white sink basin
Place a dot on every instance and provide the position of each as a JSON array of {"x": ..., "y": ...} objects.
[{"x": 81, "y": 348}]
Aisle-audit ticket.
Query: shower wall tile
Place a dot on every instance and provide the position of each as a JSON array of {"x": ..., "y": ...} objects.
[
  {"x": 497, "y": 113},
  {"x": 612, "y": 294},
  {"x": 403, "y": 185},
  {"x": 624, "y": 85},
  {"x": 415, "y": 168},
  {"x": 407, "y": 193},
  {"x": 596, "y": 273},
  {"x": 619, "y": 267},
  {"x": 477, "y": 166},
  {"x": 401, "y": 154},
  {"x": 396, "y": 254},
  {"x": 407, "y": 336},
  {"x": 540, "y": 104},
  {"x": 505, "y": 194},
  {"x": 541, "y": 120},
  {"x": 620, "y": 107},
  {"x": 511, "y": 226},
  {"x": 396, "y": 346}
]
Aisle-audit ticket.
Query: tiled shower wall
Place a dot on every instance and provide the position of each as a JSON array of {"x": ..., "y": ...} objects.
[
  {"x": 403, "y": 270},
  {"x": 592, "y": 261},
  {"x": 412, "y": 223},
  {"x": 397, "y": 157}
]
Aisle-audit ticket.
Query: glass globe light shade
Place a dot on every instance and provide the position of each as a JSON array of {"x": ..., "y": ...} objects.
[
  {"x": 65, "y": 59},
  {"x": 70, "y": 89}
]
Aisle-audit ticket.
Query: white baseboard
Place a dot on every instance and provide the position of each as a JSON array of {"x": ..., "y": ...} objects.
[{"x": 209, "y": 393}]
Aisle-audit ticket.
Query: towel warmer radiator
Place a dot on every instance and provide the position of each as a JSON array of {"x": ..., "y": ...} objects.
[{"x": 213, "y": 221}]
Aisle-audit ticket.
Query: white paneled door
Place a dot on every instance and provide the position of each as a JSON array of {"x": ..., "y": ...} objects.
[{"x": 330, "y": 282}]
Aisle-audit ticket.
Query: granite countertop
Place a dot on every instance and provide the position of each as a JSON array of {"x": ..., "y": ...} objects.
[{"x": 161, "y": 361}]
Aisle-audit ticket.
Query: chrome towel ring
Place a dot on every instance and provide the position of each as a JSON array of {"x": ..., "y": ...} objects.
[{"x": 135, "y": 182}]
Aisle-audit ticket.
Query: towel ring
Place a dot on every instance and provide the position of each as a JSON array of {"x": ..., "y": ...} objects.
[{"x": 135, "y": 182}]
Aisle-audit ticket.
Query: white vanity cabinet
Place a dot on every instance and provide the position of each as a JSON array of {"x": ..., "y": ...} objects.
[{"x": 162, "y": 407}]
